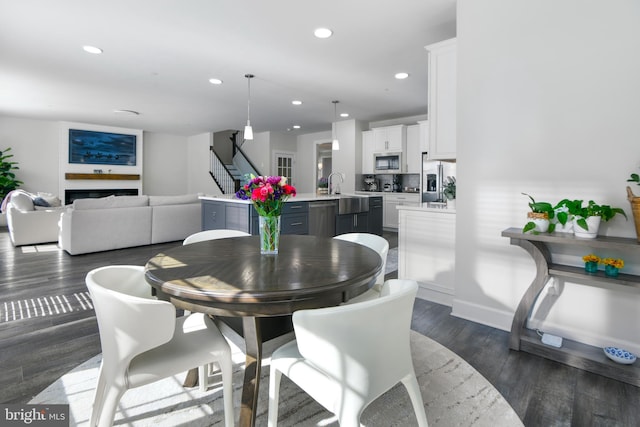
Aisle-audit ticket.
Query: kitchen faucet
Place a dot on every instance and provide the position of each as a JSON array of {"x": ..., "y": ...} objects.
[{"x": 330, "y": 181}]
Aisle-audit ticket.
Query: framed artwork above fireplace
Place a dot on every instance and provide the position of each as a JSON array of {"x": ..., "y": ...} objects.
[{"x": 101, "y": 148}]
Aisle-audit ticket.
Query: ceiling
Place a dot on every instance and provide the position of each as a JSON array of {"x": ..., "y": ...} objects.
[{"x": 158, "y": 57}]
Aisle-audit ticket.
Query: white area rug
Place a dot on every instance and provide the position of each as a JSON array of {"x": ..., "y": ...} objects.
[{"x": 454, "y": 393}]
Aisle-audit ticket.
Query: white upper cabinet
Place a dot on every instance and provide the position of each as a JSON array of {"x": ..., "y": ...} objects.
[
  {"x": 367, "y": 152},
  {"x": 413, "y": 157},
  {"x": 442, "y": 99},
  {"x": 389, "y": 139}
]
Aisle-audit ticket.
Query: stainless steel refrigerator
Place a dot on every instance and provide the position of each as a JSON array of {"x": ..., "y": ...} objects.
[{"x": 434, "y": 175}]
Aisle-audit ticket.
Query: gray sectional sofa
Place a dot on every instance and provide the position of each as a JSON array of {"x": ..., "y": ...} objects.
[{"x": 115, "y": 222}]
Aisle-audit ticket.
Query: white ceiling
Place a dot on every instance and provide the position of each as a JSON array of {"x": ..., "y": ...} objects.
[{"x": 159, "y": 55}]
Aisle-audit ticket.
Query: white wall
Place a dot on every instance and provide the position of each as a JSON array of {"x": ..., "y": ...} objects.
[
  {"x": 34, "y": 145},
  {"x": 198, "y": 178},
  {"x": 548, "y": 98}
]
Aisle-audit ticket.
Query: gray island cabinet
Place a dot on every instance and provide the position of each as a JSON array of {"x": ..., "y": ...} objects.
[{"x": 220, "y": 212}]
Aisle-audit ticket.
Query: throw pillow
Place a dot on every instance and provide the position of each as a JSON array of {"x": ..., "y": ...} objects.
[
  {"x": 52, "y": 199},
  {"x": 39, "y": 201}
]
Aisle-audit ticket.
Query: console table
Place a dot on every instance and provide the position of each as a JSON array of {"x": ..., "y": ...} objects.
[{"x": 572, "y": 353}]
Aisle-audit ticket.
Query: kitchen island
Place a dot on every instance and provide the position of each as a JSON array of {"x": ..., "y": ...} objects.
[
  {"x": 307, "y": 213},
  {"x": 426, "y": 250}
]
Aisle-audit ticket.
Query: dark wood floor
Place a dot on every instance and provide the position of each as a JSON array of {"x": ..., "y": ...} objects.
[{"x": 36, "y": 350}]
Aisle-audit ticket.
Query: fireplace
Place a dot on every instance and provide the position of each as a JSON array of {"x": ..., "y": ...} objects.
[{"x": 71, "y": 195}]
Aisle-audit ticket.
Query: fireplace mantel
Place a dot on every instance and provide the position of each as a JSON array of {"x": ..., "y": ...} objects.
[{"x": 103, "y": 176}]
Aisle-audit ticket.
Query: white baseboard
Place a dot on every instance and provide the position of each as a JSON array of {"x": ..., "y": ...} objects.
[
  {"x": 499, "y": 319},
  {"x": 426, "y": 293}
]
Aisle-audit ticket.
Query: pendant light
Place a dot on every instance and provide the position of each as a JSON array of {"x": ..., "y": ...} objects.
[
  {"x": 248, "y": 130},
  {"x": 335, "y": 144}
]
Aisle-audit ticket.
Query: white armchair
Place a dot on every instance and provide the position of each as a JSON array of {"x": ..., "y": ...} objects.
[
  {"x": 347, "y": 356},
  {"x": 143, "y": 342},
  {"x": 29, "y": 224}
]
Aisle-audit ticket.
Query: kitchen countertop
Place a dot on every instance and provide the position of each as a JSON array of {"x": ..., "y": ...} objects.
[
  {"x": 382, "y": 193},
  {"x": 428, "y": 207},
  {"x": 300, "y": 197}
]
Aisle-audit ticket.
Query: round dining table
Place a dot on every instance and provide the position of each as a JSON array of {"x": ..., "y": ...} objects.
[{"x": 231, "y": 278}]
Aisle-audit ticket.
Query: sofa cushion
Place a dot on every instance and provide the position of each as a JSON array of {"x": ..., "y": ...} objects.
[
  {"x": 22, "y": 201},
  {"x": 130, "y": 201},
  {"x": 51, "y": 199},
  {"x": 93, "y": 203},
  {"x": 110, "y": 202},
  {"x": 173, "y": 200}
]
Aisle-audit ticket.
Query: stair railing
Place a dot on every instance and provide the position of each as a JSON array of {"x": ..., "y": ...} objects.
[
  {"x": 240, "y": 159},
  {"x": 221, "y": 174}
]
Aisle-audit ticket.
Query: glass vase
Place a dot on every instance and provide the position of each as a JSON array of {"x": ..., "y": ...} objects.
[
  {"x": 269, "y": 234},
  {"x": 591, "y": 267},
  {"x": 611, "y": 271}
]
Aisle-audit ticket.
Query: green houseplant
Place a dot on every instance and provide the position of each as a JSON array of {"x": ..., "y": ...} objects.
[
  {"x": 449, "y": 188},
  {"x": 587, "y": 218},
  {"x": 539, "y": 217},
  {"x": 8, "y": 181}
]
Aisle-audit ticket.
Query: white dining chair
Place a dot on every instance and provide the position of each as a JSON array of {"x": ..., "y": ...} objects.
[
  {"x": 213, "y": 234},
  {"x": 378, "y": 244},
  {"x": 143, "y": 341},
  {"x": 347, "y": 356}
]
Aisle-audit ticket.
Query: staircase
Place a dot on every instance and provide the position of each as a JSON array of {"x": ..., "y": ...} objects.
[{"x": 230, "y": 177}]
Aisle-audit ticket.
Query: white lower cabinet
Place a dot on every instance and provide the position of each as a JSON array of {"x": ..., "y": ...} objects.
[
  {"x": 391, "y": 203},
  {"x": 426, "y": 252}
]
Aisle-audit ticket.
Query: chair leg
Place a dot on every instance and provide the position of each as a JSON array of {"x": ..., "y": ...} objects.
[
  {"x": 274, "y": 394},
  {"x": 98, "y": 398},
  {"x": 112, "y": 397},
  {"x": 226, "y": 367},
  {"x": 413, "y": 388},
  {"x": 203, "y": 377}
]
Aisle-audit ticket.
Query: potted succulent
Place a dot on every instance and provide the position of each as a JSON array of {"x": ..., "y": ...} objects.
[
  {"x": 539, "y": 217},
  {"x": 586, "y": 219}
]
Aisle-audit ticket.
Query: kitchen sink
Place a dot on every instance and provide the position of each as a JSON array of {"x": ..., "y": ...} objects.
[{"x": 352, "y": 204}]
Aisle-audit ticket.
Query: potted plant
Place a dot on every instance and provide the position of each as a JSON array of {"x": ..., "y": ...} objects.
[
  {"x": 586, "y": 219},
  {"x": 563, "y": 219},
  {"x": 539, "y": 217},
  {"x": 323, "y": 185},
  {"x": 8, "y": 181},
  {"x": 635, "y": 203},
  {"x": 449, "y": 191}
]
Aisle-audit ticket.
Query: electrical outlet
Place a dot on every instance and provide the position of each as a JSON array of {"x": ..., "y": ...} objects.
[{"x": 552, "y": 340}]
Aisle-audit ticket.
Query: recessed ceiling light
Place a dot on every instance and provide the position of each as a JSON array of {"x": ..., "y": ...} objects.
[
  {"x": 344, "y": 114},
  {"x": 92, "y": 49},
  {"x": 296, "y": 126},
  {"x": 401, "y": 76},
  {"x": 322, "y": 33},
  {"x": 127, "y": 112},
  {"x": 296, "y": 102},
  {"x": 215, "y": 81}
]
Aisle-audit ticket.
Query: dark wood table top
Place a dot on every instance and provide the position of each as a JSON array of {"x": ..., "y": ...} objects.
[{"x": 229, "y": 277}]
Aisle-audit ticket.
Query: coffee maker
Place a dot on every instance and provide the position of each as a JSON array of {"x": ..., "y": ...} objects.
[{"x": 371, "y": 183}]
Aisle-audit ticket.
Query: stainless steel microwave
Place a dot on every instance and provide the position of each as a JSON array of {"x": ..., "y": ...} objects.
[{"x": 387, "y": 162}]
